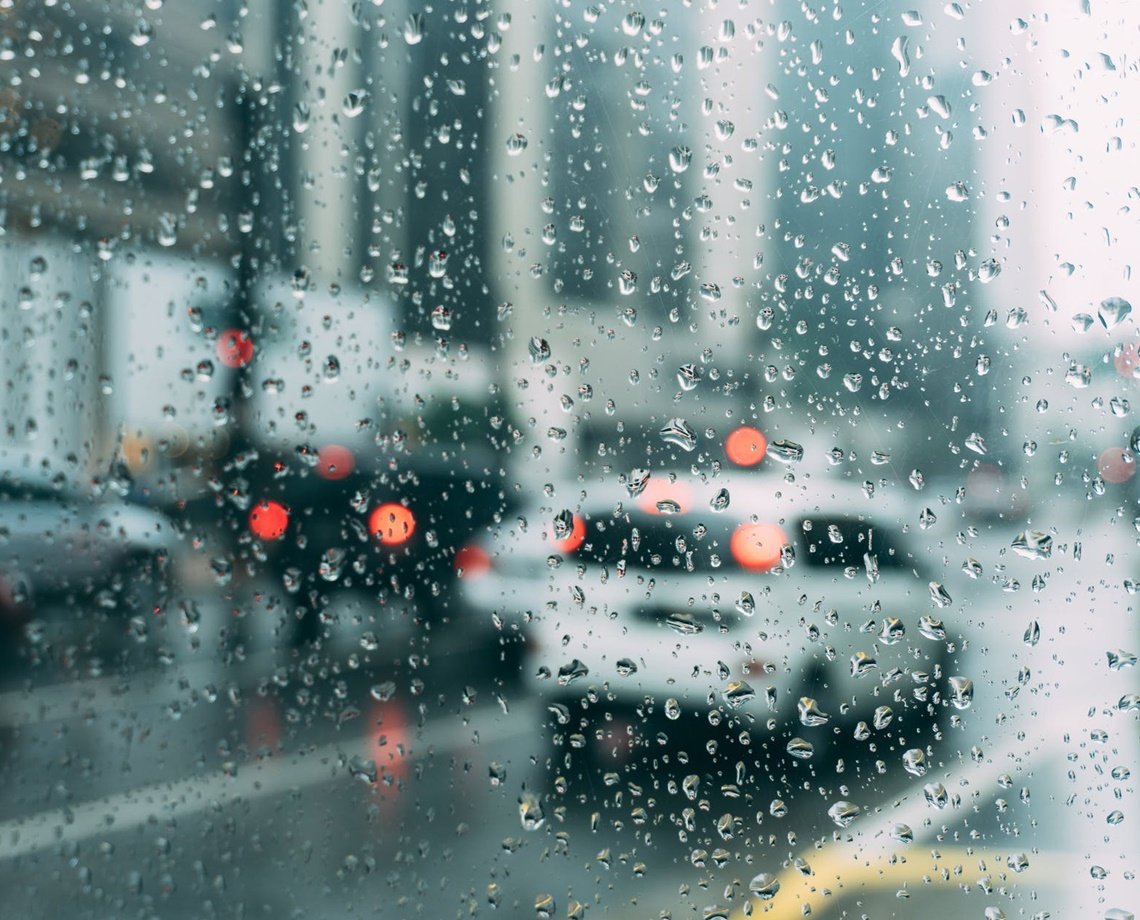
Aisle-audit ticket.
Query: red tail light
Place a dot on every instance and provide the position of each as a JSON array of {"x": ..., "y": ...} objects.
[
  {"x": 391, "y": 523},
  {"x": 335, "y": 462},
  {"x": 1116, "y": 465},
  {"x": 269, "y": 520},
  {"x": 745, "y": 446},
  {"x": 757, "y": 547},
  {"x": 472, "y": 561},
  {"x": 234, "y": 348}
]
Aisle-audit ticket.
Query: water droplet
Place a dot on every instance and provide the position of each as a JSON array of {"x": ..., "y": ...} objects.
[
  {"x": 1119, "y": 659},
  {"x": 1113, "y": 311},
  {"x": 688, "y": 376},
  {"x": 892, "y": 631},
  {"x": 940, "y": 595},
  {"x": 679, "y": 158},
  {"x": 516, "y": 144},
  {"x": 572, "y": 671},
  {"x": 786, "y": 451},
  {"x": 810, "y": 713},
  {"x": 737, "y": 693},
  {"x": 544, "y": 907},
  {"x": 1082, "y": 323},
  {"x": 939, "y": 106},
  {"x": 638, "y": 480},
  {"x": 936, "y": 795},
  {"x": 678, "y": 433},
  {"x": 746, "y": 604},
  {"x": 1033, "y": 544},
  {"x": 1078, "y": 376},
  {"x": 539, "y": 350},
  {"x": 914, "y": 762},
  {"x": 989, "y": 270},
  {"x": 441, "y": 319},
  {"x": 383, "y": 692},
  {"x": 764, "y": 886},
  {"x": 863, "y": 664},
  {"x": 632, "y": 23},
  {"x": 672, "y": 709},
  {"x": 301, "y": 117},
  {"x": 900, "y": 51},
  {"x": 167, "y": 229},
  {"x": 683, "y": 623},
  {"x": 353, "y": 103},
  {"x": 142, "y": 33},
  {"x": 843, "y": 813},
  {"x": 437, "y": 263},
  {"x": 530, "y": 812},
  {"x": 961, "y": 692},
  {"x": 626, "y": 667},
  {"x": 414, "y": 29}
]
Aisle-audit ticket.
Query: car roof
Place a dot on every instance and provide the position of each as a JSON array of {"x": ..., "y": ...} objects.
[{"x": 38, "y": 470}]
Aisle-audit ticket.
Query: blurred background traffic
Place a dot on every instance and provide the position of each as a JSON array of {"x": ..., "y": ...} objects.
[{"x": 567, "y": 458}]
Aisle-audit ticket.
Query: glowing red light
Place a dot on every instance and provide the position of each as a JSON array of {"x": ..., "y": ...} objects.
[
  {"x": 335, "y": 461},
  {"x": 387, "y": 738},
  {"x": 1116, "y": 465},
  {"x": 1128, "y": 361},
  {"x": 663, "y": 496},
  {"x": 391, "y": 523},
  {"x": 472, "y": 561},
  {"x": 572, "y": 540},
  {"x": 235, "y": 348},
  {"x": 756, "y": 547},
  {"x": 745, "y": 446},
  {"x": 269, "y": 520}
]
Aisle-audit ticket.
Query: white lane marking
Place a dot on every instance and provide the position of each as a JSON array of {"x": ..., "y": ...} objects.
[
  {"x": 172, "y": 800},
  {"x": 95, "y": 696}
]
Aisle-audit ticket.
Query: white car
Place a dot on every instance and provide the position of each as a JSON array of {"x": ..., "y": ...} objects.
[{"x": 800, "y": 604}]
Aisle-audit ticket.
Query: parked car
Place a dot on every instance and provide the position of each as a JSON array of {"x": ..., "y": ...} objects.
[
  {"x": 800, "y": 608},
  {"x": 366, "y": 457},
  {"x": 81, "y": 569},
  {"x": 329, "y": 522}
]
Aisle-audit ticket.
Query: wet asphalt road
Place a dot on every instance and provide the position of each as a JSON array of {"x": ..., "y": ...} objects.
[{"x": 237, "y": 780}]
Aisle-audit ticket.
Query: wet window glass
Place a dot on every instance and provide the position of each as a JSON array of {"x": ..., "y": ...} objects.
[{"x": 566, "y": 460}]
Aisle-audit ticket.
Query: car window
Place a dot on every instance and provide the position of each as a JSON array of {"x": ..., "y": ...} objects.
[{"x": 844, "y": 541}]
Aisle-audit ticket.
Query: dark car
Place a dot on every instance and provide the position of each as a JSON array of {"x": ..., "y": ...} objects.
[
  {"x": 81, "y": 569},
  {"x": 322, "y": 522}
]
